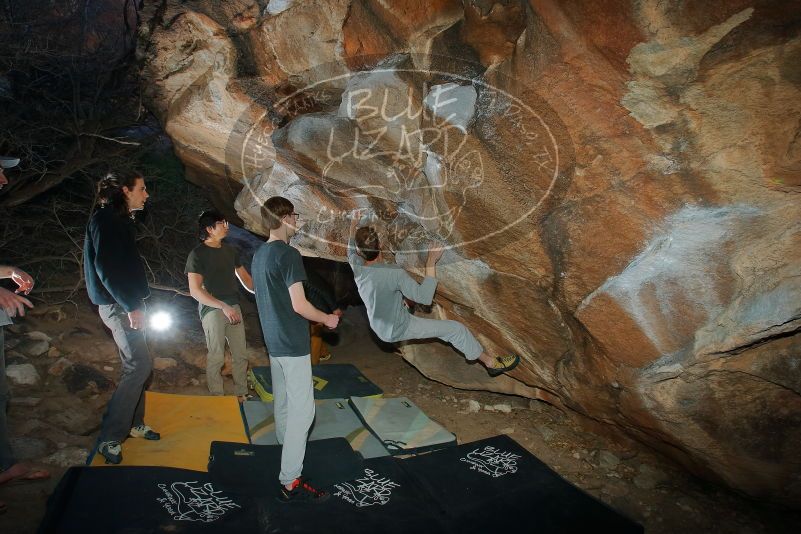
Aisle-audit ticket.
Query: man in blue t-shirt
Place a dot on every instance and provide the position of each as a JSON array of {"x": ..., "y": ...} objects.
[{"x": 284, "y": 313}]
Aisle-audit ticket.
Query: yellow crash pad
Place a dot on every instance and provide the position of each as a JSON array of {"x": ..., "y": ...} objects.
[{"x": 187, "y": 424}]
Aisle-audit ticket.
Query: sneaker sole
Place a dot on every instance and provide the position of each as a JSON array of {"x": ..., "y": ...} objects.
[
  {"x": 111, "y": 460},
  {"x": 145, "y": 437},
  {"x": 304, "y": 501},
  {"x": 498, "y": 372},
  {"x": 320, "y": 500}
]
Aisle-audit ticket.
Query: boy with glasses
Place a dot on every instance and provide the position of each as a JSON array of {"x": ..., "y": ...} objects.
[
  {"x": 285, "y": 312},
  {"x": 214, "y": 273}
]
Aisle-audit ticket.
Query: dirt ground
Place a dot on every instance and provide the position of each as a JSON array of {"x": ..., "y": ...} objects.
[{"x": 52, "y": 427}]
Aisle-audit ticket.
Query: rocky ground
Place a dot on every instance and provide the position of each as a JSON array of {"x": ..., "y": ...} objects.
[{"x": 62, "y": 366}]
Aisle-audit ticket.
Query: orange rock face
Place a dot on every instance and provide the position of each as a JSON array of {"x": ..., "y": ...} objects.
[{"x": 616, "y": 182}]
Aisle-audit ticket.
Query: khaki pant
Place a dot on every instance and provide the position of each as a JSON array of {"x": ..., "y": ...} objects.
[{"x": 217, "y": 330}]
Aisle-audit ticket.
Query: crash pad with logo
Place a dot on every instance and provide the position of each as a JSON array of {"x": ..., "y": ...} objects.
[
  {"x": 381, "y": 498},
  {"x": 500, "y": 475},
  {"x": 98, "y": 500},
  {"x": 492, "y": 485}
]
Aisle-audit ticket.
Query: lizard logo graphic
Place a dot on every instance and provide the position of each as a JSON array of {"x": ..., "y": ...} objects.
[
  {"x": 369, "y": 490},
  {"x": 193, "y": 501},
  {"x": 491, "y": 461}
]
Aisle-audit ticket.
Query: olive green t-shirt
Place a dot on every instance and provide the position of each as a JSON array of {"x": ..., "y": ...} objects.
[{"x": 216, "y": 266}]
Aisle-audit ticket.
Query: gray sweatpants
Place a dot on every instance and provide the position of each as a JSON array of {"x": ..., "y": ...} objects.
[
  {"x": 7, "y": 458},
  {"x": 217, "y": 330},
  {"x": 452, "y": 332},
  {"x": 126, "y": 408},
  {"x": 293, "y": 394}
]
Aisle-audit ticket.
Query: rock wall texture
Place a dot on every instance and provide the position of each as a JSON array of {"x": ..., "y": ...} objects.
[{"x": 617, "y": 181}]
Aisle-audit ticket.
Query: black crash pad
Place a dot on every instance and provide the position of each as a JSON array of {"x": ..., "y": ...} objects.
[
  {"x": 495, "y": 485},
  {"x": 134, "y": 499},
  {"x": 382, "y": 499}
]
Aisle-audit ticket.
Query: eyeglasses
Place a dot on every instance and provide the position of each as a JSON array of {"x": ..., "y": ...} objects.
[{"x": 295, "y": 215}]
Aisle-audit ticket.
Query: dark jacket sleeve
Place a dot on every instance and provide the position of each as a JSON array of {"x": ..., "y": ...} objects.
[
  {"x": 117, "y": 261},
  {"x": 319, "y": 293}
]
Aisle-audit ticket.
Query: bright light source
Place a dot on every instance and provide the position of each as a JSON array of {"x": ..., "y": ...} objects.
[{"x": 160, "y": 321}]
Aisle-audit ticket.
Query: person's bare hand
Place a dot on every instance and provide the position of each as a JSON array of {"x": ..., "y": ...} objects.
[
  {"x": 435, "y": 252},
  {"x": 23, "y": 280},
  {"x": 338, "y": 312},
  {"x": 331, "y": 321},
  {"x": 137, "y": 319},
  {"x": 13, "y": 304},
  {"x": 231, "y": 314},
  {"x": 356, "y": 216}
]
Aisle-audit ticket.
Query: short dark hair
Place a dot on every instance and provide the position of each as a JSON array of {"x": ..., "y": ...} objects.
[
  {"x": 367, "y": 243},
  {"x": 275, "y": 209},
  {"x": 109, "y": 189},
  {"x": 206, "y": 219}
]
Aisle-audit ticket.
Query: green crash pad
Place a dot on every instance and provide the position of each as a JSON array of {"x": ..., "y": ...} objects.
[
  {"x": 333, "y": 418},
  {"x": 331, "y": 381},
  {"x": 401, "y": 426}
]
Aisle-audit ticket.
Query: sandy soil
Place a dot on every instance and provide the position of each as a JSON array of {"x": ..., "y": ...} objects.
[{"x": 620, "y": 472}]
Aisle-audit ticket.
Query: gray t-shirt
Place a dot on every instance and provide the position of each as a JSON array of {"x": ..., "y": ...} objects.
[
  {"x": 277, "y": 266},
  {"x": 382, "y": 288}
]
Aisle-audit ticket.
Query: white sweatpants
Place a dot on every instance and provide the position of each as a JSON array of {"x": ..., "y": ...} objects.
[
  {"x": 452, "y": 332},
  {"x": 293, "y": 394}
]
